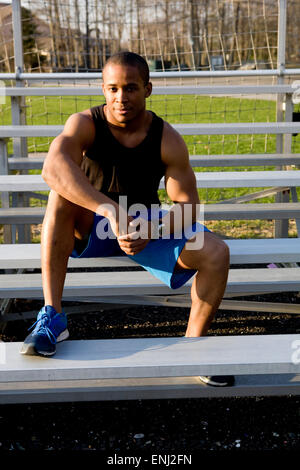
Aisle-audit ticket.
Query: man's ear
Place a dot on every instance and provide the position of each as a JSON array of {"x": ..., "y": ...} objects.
[
  {"x": 148, "y": 89},
  {"x": 102, "y": 86}
]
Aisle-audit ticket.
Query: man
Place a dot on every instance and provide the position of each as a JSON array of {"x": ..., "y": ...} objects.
[{"x": 122, "y": 149}]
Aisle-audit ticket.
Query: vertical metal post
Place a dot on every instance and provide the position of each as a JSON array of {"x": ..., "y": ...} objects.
[
  {"x": 289, "y": 108},
  {"x": 7, "y": 233},
  {"x": 281, "y": 226},
  {"x": 18, "y": 103},
  {"x": 18, "y": 109}
]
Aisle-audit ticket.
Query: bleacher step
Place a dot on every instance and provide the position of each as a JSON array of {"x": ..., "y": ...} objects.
[
  {"x": 273, "y": 211},
  {"x": 212, "y": 179},
  {"x": 87, "y": 284},
  {"x": 155, "y": 357},
  {"x": 266, "y": 250}
]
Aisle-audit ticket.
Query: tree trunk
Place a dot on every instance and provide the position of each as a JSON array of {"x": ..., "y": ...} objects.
[
  {"x": 57, "y": 34},
  {"x": 138, "y": 12},
  {"x": 87, "y": 36},
  {"x": 194, "y": 34}
]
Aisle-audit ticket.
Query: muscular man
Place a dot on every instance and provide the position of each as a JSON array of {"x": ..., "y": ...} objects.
[{"x": 122, "y": 149}]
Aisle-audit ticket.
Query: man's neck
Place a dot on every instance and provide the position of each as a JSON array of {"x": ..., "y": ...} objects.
[{"x": 140, "y": 121}]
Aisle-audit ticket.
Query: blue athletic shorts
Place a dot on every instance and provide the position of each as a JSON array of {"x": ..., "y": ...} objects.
[{"x": 159, "y": 257}]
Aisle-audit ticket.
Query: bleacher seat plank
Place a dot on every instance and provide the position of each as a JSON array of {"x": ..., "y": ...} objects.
[
  {"x": 20, "y": 183},
  {"x": 157, "y": 90},
  {"x": 184, "y": 129},
  {"x": 289, "y": 210},
  {"x": 244, "y": 160},
  {"x": 268, "y": 250},
  {"x": 22, "y": 215},
  {"x": 155, "y": 357},
  {"x": 142, "y": 283},
  {"x": 274, "y": 211},
  {"x": 30, "y": 131},
  {"x": 212, "y": 179},
  {"x": 249, "y": 179},
  {"x": 15, "y": 163},
  {"x": 28, "y": 163},
  {"x": 143, "y": 389},
  {"x": 150, "y": 368}
]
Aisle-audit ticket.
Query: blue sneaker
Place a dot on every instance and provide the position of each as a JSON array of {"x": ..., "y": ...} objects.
[{"x": 50, "y": 328}]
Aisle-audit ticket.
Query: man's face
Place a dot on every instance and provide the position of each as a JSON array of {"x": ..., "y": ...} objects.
[{"x": 125, "y": 93}]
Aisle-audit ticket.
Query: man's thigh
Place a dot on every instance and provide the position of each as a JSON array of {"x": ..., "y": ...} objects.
[
  {"x": 84, "y": 220},
  {"x": 98, "y": 241}
]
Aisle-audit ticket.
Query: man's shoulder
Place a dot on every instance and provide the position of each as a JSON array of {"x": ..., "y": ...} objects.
[
  {"x": 76, "y": 120},
  {"x": 83, "y": 116},
  {"x": 174, "y": 150},
  {"x": 80, "y": 127},
  {"x": 170, "y": 133}
]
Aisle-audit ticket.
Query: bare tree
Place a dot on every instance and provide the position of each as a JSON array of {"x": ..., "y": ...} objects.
[
  {"x": 194, "y": 33},
  {"x": 235, "y": 31},
  {"x": 58, "y": 33},
  {"x": 87, "y": 36},
  {"x": 84, "y": 32},
  {"x": 138, "y": 16},
  {"x": 77, "y": 38}
]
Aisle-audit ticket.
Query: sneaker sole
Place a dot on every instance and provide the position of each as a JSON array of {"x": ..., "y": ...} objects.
[{"x": 29, "y": 349}]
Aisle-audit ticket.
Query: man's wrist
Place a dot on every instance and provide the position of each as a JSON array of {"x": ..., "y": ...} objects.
[{"x": 111, "y": 211}]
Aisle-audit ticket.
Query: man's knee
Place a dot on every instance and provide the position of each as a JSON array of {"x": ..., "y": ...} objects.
[
  {"x": 67, "y": 214},
  {"x": 215, "y": 250},
  {"x": 220, "y": 255},
  {"x": 205, "y": 251},
  {"x": 58, "y": 204}
]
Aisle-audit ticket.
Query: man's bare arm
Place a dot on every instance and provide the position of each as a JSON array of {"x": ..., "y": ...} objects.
[
  {"x": 62, "y": 171},
  {"x": 180, "y": 181}
]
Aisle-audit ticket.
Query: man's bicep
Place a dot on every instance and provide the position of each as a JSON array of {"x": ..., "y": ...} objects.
[{"x": 180, "y": 183}]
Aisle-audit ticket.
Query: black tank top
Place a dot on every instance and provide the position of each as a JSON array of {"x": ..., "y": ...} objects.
[{"x": 116, "y": 170}]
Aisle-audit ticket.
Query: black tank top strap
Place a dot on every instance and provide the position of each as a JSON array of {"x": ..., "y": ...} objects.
[{"x": 156, "y": 128}]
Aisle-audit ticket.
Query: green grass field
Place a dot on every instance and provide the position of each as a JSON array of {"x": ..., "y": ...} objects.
[
  {"x": 178, "y": 109},
  {"x": 175, "y": 109}
]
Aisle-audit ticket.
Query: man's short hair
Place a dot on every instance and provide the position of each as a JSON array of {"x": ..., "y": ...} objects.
[{"x": 132, "y": 59}]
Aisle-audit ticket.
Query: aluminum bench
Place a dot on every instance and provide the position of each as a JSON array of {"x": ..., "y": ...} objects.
[
  {"x": 151, "y": 368},
  {"x": 212, "y": 179},
  {"x": 242, "y": 251},
  {"x": 36, "y": 162},
  {"x": 275, "y": 211},
  {"x": 184, "y": 129},
  {"x": 140, "y": 283}
]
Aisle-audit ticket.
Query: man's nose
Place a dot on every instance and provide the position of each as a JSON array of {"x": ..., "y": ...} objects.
[{"x": 122, "y": 96}]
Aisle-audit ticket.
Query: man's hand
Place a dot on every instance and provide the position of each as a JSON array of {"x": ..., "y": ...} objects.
[
  {"x": 138, "y": 236},
  {"x": 119, "y": 221},
  {"x": 133, "y": 234}
]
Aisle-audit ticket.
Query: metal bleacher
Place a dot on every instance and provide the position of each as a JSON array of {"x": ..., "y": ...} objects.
[{"x": 158, "y": 367}]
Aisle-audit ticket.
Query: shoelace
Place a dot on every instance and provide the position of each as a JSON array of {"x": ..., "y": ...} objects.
[{"x": 42, "y": 327}]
